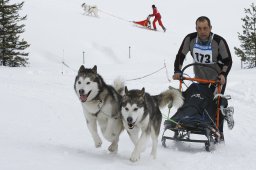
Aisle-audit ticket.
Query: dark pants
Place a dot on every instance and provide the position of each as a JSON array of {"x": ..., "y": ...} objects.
[
  {"x": 222, "y": 92},
  {"x": 221, "y": 120}
]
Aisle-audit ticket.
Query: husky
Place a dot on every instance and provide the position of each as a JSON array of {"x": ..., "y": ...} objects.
[
  {"x": 90, "y": 9},
  {"x": 141, "y": 114},
  {"x": 101, "y": 104}
]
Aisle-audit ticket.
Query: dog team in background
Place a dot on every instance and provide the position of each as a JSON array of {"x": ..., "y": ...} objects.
[
  {"x": 91, "y": 10},
  {"x": 115, "y": 108}
]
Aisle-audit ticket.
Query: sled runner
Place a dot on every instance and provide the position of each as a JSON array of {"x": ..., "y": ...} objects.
[{"x": 199, "y": 114}]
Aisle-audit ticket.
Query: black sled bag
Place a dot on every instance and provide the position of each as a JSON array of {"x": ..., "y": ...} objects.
[{"x": 198, "y": 108}]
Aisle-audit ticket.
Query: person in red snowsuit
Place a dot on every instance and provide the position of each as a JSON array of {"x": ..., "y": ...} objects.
[{"x": 157, "y": 16}]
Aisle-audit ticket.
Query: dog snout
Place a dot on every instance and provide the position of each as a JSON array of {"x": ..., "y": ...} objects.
[
  {"x": 129, "y": 119},
  {"x": 81, "y": 91}
]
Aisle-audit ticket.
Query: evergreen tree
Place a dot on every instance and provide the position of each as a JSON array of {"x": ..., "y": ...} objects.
[
  {"x": 11, "y": 47},
  {"x": 247, "y": 53}
]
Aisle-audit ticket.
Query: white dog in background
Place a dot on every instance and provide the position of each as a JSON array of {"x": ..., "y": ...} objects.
[{"x": 90, "y": 10}]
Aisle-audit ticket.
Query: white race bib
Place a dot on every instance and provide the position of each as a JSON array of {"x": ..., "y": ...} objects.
[{"x": 202, "y": 53}]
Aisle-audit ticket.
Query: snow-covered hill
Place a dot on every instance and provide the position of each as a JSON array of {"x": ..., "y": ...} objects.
[{"x": 42, "y": 125}]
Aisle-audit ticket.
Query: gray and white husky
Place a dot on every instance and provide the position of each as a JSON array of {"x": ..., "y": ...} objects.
[
  {"x": 141, "y": 113},
  {"x": 101, "y": 104},
  {"x": 90, "y": 9}
]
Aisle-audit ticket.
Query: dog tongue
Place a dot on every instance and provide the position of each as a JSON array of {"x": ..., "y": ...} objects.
[
  {"x": 130, "y": 125},
  {"x": 83, "y": 98}
]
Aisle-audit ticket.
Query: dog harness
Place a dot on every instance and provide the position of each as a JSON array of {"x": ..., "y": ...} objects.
[{"x": 100, "y": 105}]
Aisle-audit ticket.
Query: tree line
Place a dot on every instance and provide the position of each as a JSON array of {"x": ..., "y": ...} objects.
[{"x": 12, "y": 46}]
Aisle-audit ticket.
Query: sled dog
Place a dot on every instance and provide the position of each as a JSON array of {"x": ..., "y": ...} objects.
[
  {"x": 141, "y": 114},
  {"x": 90, "y": 9},
  {"x": 101, "y": 104}
]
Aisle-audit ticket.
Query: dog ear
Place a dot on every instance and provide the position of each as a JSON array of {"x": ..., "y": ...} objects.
[
  {"x": 81, "y": 69},
  {"x": 125, "y": 90},
  {"x": 142, "y": 92},
  {"x": 94, "y": 69}
]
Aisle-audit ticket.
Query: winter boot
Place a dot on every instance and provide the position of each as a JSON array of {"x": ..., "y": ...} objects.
[
  {"x": 226, "y": 111},
  {"x": 164, "y": 28},
  {"x": 222, "y": 137},
  {"x": 228, "y": 116}
]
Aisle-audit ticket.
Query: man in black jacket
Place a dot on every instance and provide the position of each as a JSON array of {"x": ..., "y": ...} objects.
[{"x": 210, "y": 49}]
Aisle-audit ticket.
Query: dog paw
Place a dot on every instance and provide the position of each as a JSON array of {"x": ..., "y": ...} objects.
[
  {"x": 113, "y": 147},
  {"x": 98, "y": 143},
  {"x": 153, "y": 155},
  {"x": 135, "y": 157}
]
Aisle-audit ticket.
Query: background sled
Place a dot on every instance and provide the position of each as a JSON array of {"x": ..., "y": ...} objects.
[
  {"x": 182, "y": 129},
  {"x": 144, "y": 24}
]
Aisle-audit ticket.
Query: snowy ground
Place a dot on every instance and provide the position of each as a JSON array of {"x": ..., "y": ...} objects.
[{"x": 42, "y": 125}]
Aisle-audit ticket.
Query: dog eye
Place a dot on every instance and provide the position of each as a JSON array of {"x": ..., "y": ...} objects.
[
  {"x": 88, "y": 83},
  {"x": 135, "y": 109},
  {"x": 79, "y": 82},
  {"x": 126, "y": 109}
]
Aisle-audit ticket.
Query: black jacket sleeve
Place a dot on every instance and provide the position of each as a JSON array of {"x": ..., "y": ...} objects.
[{"x": 184, "y": 49}]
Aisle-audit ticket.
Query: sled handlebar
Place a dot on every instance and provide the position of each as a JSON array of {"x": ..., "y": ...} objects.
[{"x": 199, "y": 80}]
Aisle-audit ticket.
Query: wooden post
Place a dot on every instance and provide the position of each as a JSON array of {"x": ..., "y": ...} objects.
[
  {"x": 62, "y": 63},
  {"x": 129, "y": 52},
  {"x": 83, "y": 57}
]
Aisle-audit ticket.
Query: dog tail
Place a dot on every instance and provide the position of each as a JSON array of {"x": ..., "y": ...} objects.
[
  {"x": 119, "y": 85},
  {"x": 171, "y": 96}
]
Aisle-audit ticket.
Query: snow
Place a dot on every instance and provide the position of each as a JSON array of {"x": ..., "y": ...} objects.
[{"x": 42, "y": 125}]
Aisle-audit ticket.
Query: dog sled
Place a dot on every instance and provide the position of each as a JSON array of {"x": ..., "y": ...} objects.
[
  {"x": 199, "y": 116},
  {"x": 144, "y": 23}
]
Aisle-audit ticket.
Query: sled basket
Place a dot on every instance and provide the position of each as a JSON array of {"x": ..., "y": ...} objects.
[{"x": 144, "y": 23}]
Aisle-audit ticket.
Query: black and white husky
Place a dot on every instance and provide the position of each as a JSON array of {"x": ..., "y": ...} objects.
[
  {"x": 90, "y": 9},
  {"x": 101, "y": 104},
  {"x": 141, "y": 112}
]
